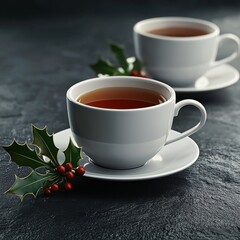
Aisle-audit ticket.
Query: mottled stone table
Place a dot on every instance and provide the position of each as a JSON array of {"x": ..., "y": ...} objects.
[{"x": 40, "y": 57}]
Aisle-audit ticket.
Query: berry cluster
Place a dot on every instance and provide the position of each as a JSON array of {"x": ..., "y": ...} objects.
[
  {"x": 67, "y": 174},
  {"x": 138, "y": 74}
]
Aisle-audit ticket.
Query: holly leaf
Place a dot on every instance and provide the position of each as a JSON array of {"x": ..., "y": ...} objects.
[
  {"x": 118, "y": 51},
  {"x": 22, "y": 155},
  {"x": 104, "y": 67},
  {"x": 31, "y": 184},
  {"x": 137, "y": 65},
  {"x": 73, "y": 154},
  {"x": 45, "y": 143}
]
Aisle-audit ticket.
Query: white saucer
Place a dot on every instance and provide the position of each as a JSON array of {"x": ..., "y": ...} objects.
[
  {"x": 171, "y": 159},
  {"x": 216, "y": 78}
]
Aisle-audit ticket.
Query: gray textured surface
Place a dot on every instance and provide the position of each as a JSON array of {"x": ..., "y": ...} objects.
[{"x": 39, "y": 59}]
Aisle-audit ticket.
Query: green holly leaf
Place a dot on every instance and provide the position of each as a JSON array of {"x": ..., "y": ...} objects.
[
  {"x": 104, "y": 67},
  {"x": 22, "y": 155},
  {"x": 137, "y": 65},
  {"x": 31, "y": 184},
  {"x": 45, "y": 143},
  {"x": 73, "y": 154},
  {"x": 118, "y": 51}
]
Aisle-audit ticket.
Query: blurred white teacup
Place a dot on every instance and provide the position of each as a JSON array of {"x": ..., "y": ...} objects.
[{"x": 179, "y": 50}]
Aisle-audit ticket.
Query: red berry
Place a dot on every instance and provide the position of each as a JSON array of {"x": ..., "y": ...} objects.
[
  {"x": 135, "y": 73},
  {"x": 67, "y": 186},
  {"x": 69, "y": 175},
  {"x": 54, "y": 187},
  {"x": 68, "y": 166},
  {"x": 61, "y": 170},
  {"x": 80, "y": 170},
  {"x": 47, "y": 192}
]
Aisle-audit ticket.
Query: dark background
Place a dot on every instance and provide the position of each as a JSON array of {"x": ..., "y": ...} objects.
[
  {"x": 34, "y": 8},
  {"x": 45, "y": 47}
]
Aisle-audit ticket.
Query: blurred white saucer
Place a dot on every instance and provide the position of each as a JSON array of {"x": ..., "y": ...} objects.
[{"x": 216, "y": 78}]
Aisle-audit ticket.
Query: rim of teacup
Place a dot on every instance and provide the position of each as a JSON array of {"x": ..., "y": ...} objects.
[
  {"x": 74, "y": 100},
  {"x": 139, "y": 25}
]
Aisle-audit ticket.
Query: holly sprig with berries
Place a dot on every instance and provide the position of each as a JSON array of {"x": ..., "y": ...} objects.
[
  {"x": 123, "y": 66},
  {"x": 41, "y": 156}
]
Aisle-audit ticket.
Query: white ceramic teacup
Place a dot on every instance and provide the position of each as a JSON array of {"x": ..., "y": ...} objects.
[
  {"x": 179, "y": 61},
  {"x": 125, "y": 138}
]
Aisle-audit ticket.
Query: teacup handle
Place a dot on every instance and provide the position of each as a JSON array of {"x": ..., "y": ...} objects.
[
  {"x": 230, "y": 37},
  {"x": 194, "y": 129}
]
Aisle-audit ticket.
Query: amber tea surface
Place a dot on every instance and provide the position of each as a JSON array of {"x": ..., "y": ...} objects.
[
  {"x": 121, "y": 98},
  {"x": 178, "y": 32}
]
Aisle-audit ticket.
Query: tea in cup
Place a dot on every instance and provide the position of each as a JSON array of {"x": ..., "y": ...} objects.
[
  {"x": 178, "y": 50},
  {"x": 122, "y": 122}
]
